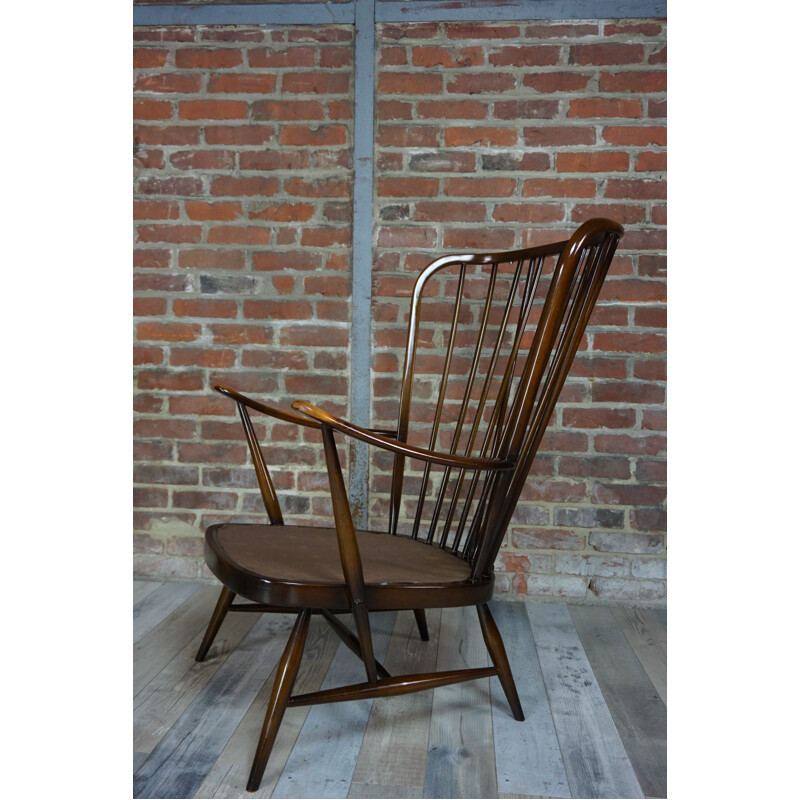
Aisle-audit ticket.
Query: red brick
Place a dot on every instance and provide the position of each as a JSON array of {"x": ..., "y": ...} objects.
[
  {"x": 452, "y": 109},
  {"x": 408, "y": 136},
  {"x": 442, "y": 211},
  {"x": 202, "y": 159},
  {"x": 204, "y": 308},
  {"x": 328, "y": 286},
  {"x": 407, "y": 187},
  {"x": 305, "y": 135},
  {"x": 172, "y": 33},
  {"x": 223, "y": 185},
  {"x": 152, "y": 259},
  {"x": 481, "y": 83},
  {"x": 592, "y": 162},
  {"x": 149, "y": 306},
  {"x": 285, "y": 212},
  {"x": 164, "y": 428},
  {"x": 278, "y": 59},
  {"x": 558, "y": 136},
  {"x": 478, "y": 30},
  {"x": 651, "y": 162},
  {"x": 147, "y": 355},
  {"x": 239, "y": 234},
  {"x": 526, "y": 56},
  {"x": 288, "y": 110},
  {"x": 277, "y": 309},
  {"x": 479, "y": 187},
  {"x": 239, "y": 135},
  {"x": 638, "y": 136},
  {"x": 241, "y": 334},
  {"x": 175, "y": 234},
  {"x": 525, "y": 109},
  {"x": 489, "y": 239},
  {"x": 199, "y": 357},
  {"x": 639, "y": 82},
  {"x": 272, "y": 159},
  {"x": 314, "y": 336},
  {"x": 636, "y": 189},
  {"x": 202, "y": 211},
  {"x": 628, "y": 392},
  {"x": 241, "y": 84},
  {"x": 467, "y": 136},
  {"x": 152, "y": 109},
  {"x": 335, "y": 57},
  {"x": 409, "y": 83},
  {"x": 322, "y": 187},
  {"x": 174, "y": 186},
  {"x": 549, "y": 82},
  {"x": 207, "y": 58},
  {"x": 604, "y": 107},
  {"x": 599, "y": 54},
  {"x": 528, "y": 212},
  {"x": 143, "y": 209},
  {"x": 315, "y": 83},
  {"x": 211, "y": 259},
  {"x": 624, "y": 214},
  {"x": 559, "y": 187},
  {"x": 446, "y": 57},
  {"x": 169, "y": 135},
  {"x": 417, "y": 30},
  {"x": 276, "y": 260},
  {"x": 598, "y": 418},
  {"x": 172, "y": 82},
  {"x": 171, "y": 381},
  {"x": 149, "y": 57},
  {"x": 212, "y": 109}
]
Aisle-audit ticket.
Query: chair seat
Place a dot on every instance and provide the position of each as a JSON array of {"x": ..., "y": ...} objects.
[{"x": 280, "y": 564}]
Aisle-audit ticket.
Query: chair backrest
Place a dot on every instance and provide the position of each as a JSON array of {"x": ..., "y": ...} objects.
[{"x": 491, "y": 339}]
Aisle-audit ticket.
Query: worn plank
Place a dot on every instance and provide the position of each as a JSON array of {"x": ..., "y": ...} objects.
[
  {"x": 639, "y": 714},
  {"x": 395, "y": 747},
  {"x": 324, "y": 756},
  {"x": 183, "y": 757},
  {"x": 661, "y": 614},
  {"x": 648, "y": 638},
  {"x": 594, "y": 757},
  {"x": 460, "y": 748},
  {"x": 229, "y": 774},
  {"x": 155, "y": 650},
  {"x": 158, "y": 605},
  {"x": 369, "y": 791},
  {"x": 527, "y": 753},
  {"x": 159, "y": 705},
  {"x": 139, "y": 759},
  {"x": 143, "y": 588}
]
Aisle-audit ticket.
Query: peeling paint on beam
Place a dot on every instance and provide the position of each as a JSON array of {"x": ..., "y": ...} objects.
[
  {"x": 246, "y": 14},
  {"x": 520, "y": 10}
]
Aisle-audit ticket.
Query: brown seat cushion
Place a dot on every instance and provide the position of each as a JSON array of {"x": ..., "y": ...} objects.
[{"x": 300, "y": 554}]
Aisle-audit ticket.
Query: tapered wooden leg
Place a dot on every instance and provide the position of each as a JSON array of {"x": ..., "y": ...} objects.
[
  {"x": 361, "y": 620},
  {"x": 494, "y": 644},
  {"x": 284, "y": 681},
  {"x": 419, "y": 615},
  {"x": 221, "y": 609}
]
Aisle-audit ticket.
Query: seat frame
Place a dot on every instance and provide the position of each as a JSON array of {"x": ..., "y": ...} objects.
[{"x": 583, "y": 261}]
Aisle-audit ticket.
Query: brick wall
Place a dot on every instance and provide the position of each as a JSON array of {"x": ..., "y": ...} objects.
[{"x": 488, "y": 136}]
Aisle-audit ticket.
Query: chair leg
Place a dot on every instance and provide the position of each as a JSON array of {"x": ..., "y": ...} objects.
[
  {"x": 281, "y": 690},
  {"x": 419, "y": 614},
  {"x": 494, "y": 644},
  {"x": 223, "y": 604}
]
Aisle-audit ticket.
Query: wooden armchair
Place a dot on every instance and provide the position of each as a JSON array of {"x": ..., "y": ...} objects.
[{"x": 509, "y": 325}]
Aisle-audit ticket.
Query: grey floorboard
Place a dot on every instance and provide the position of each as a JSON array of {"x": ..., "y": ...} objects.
[
  {"x": 661, "y": 613},
  {"x": 527, "y": 753},
  {"x": 324, "y": 757},
  {"x": 460, "y": 747},
  {"x": 158, "y": 605},
  {"x": 639, "y": 714},
  {"x": 595, "y": 759},
  {"x": 183, "y": 757}
]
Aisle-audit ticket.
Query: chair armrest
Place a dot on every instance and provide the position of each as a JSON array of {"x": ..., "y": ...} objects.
[
  {"x": 365, "y": 435},
  {"x": 264, "y": 409}
]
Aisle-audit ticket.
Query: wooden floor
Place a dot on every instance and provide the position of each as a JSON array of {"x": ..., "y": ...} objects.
[{"x": 592, "y": 682}]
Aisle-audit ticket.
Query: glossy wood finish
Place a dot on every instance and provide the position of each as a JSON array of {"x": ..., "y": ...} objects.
[{"x": 530, "y": 309}]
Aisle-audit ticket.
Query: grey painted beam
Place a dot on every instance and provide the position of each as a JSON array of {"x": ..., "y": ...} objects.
[
  {"x": 361, "y": 333},
  {"x": 500, "y": 10},
  {"x": 246, "y": 14},
  {"x": 419, "y": 11}
]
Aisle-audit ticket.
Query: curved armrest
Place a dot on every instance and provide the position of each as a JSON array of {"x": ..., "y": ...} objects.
[
  {"x": 269, "y": 410},
  {"x": 445, "y": 459}
]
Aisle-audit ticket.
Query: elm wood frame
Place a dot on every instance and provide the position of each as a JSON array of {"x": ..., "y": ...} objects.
[{"x": 514, "y": 426}]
